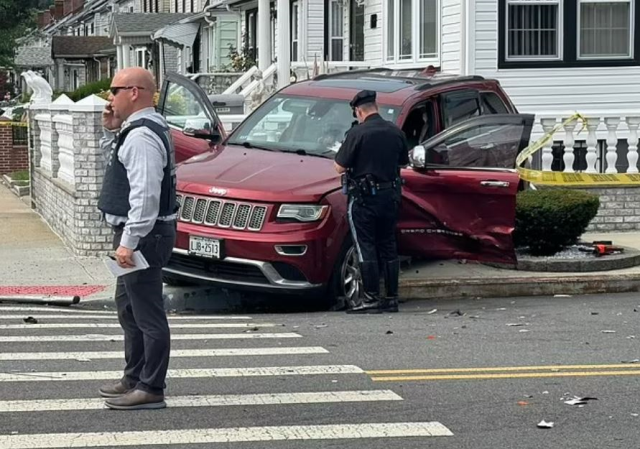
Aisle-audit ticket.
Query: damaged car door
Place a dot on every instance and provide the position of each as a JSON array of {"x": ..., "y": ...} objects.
[{"x": 459, "y": 195}]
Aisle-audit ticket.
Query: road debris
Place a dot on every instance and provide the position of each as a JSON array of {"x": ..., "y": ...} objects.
[
  {"x": 608, "y": 332},
  {"x": 545, "y": 425},
  {"x": 432, "y": 312},
  {"x": 516, "y": 324},
  {"x": 562, "y": 296},
  {"x": 30, "y": 320},
  {"x": 579, "y": 401},
  {"x": 523, "y": 403},
  {"x": 83, "y": 360},
  {"x": 321, "y": 326},
  {"x": 595, "y": 313},
  {"x": 522, "y": 331},
  {"x": 456, "y": 312},
  {"x": 389, "y": 332},
  {"x": 631, "y": 361}
]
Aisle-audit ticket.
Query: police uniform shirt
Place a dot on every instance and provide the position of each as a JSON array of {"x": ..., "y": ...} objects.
[{"x": 375, "y": 147}]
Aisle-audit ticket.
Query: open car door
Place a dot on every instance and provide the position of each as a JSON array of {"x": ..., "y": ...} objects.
[
  {"x": 459, "y": 196},
  {"x": 195, "y": 126}
]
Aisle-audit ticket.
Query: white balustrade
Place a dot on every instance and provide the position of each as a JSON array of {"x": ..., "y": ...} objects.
[
  {"x": 612, "y": 143},
  {"x": 603, "y": 133},
  {"x": 44, "y": 124},
  {"x": 569, "y": 151},
  {"x": 632, "y": 156},
  {"x": 64, "y": 127}
]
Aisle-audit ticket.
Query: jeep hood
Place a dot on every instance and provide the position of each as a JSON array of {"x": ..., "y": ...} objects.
[{"x": 258, "y": 175}]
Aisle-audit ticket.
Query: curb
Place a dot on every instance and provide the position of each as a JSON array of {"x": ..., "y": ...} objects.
[
  {"x": 200, "y": 299},
  {"x": 519, "y": 286}
]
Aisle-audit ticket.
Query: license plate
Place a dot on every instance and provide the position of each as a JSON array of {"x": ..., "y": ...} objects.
[{"x": 205, "y": 247}]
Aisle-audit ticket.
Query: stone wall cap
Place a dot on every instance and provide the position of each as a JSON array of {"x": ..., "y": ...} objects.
[
  {"x": 92, "y": 103},
  {"x": 62, "y": 103}
]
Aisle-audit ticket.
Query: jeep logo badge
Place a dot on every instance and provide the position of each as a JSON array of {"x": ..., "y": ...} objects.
[{"x": 217, "y": 191}]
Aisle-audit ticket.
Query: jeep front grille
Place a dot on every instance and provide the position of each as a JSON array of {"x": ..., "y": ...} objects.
[{"x": 221, "y": 213}]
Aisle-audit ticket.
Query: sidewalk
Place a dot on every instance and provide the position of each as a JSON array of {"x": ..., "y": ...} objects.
[{"x": 34, "y": 261}]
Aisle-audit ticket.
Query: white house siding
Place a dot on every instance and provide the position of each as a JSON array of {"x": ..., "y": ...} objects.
[
  {"x": 125, "y": 6},
  {"x": 549, "y": 90},
  {"x": 373, "y": 37},
  {"x": 314, "y": 12},
  {"x": 451, "y": 35}
]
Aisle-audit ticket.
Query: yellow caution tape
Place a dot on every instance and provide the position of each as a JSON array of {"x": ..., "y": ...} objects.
[{"x": 564, "y": 178}]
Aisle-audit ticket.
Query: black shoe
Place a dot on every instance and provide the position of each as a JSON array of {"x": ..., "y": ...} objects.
[
  {"x": 369, "y": 304},
  {"x": 390, "y": 305}
]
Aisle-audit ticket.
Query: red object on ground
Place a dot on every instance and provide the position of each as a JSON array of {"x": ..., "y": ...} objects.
[{"x": 51, "y": 290}]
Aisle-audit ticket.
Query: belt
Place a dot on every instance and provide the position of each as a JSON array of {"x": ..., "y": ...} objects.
[
  {"x": 158, "y": 222},
  {"x": 385, "y": 185}
]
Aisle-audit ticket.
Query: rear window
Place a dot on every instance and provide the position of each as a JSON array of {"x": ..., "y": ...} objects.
[{"x": 459, "y": 106}]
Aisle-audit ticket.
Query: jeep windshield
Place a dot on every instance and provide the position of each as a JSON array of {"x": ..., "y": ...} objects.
[{"x": 303, "y": 125}]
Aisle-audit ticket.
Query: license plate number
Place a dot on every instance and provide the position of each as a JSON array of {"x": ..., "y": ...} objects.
[{"x": 205, "y": 247}]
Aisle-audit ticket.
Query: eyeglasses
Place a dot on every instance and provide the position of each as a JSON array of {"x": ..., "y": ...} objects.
[{"x": 115, "y": 90}]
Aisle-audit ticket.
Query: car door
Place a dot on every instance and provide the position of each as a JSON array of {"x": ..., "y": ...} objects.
[
  {"x": 195, "y": 126},
  {"x": 459, "y": 195}
]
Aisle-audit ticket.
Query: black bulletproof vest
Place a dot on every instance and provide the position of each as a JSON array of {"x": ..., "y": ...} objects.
[{"x": 114, "y": 197}]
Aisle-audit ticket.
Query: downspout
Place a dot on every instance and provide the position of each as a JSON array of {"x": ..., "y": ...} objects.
[
  {"x": 99, "y": 68},
  {"x": 464, "y": 7}
]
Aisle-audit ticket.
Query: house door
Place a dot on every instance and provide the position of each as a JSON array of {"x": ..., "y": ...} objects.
[{"x": 356, "y": 30}]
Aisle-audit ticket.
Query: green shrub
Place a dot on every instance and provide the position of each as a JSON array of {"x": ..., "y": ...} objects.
[
  {"x": 549, "y": 220},
  {"x": 89, "y": 89}
]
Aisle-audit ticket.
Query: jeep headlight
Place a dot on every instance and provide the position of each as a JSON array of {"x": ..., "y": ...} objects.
[{"x": 302, "y": 212}]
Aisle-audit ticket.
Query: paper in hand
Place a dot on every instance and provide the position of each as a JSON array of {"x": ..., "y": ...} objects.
[{"x": 138, "y": 260}]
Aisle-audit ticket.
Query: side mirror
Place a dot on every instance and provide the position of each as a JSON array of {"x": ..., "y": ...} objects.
[
  {"x": 418, "y": 156},
  {"x": 205, "y": 134}
]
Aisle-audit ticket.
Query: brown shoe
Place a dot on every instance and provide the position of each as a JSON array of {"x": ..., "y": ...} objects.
[
  {"x": 113, "y": 390},
  {"x": 137, "y": 400}
]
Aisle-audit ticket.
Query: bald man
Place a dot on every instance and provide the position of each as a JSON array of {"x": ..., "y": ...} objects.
[{"x": 138, "y": 199}]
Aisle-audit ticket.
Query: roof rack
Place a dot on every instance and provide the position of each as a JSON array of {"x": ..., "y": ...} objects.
[
  {"x": 375, "y": 70},
  {"x": 429, "y": 83}
]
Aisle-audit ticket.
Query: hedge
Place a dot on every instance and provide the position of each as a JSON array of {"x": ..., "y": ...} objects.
[{"x": 549, "y": 220}]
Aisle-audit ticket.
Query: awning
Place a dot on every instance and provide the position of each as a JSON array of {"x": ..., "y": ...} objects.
[{"x": 180, "y": 34}]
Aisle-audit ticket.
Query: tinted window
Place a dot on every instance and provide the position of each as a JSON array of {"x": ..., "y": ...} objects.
[
  {"x": 459, "y": 106},
  {"x": 487, "y": 145},
  {"x": 183, "y": 110},
  {"x": 492, "y": 104}
]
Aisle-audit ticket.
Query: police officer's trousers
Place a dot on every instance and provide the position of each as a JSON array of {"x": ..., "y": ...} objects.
[{"x": 373, "y": 227}]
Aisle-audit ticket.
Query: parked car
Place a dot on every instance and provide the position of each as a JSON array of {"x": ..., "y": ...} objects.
[{"x": 262, "y": 208}]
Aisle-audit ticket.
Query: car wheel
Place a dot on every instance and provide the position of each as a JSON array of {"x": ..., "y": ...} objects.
[{"x": 346, "y": 281}]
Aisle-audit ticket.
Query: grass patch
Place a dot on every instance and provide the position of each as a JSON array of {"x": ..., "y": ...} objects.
[{"x": 22, "y": 175}]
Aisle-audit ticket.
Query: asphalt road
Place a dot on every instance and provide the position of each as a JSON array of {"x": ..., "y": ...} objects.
[{"x": 473, "y": 374}]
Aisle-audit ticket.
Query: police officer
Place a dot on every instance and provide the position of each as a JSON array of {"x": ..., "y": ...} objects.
[{"x": 370, "y": 157}]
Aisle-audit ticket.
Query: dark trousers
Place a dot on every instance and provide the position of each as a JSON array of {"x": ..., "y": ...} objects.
[
  {"x": 373, "y": 227},
  {"x": 141, "y": 312}
]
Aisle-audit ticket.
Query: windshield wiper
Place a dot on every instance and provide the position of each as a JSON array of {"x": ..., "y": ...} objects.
[
  {"x": 253, "y": 147},
  {"x": 302, "y": 152}
]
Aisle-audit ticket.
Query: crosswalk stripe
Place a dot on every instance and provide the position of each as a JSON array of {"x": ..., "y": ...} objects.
[
  {"x": 103, "y": 337},
  {"x": 84, "y": 356},
  {"x": 229, "y": 435},
  {"x": 54, "y": 309},
  {"x": 115, "y": 317},
  {"x": 51, "y": 405},
  {"x": 186, "y": 373},
  {"x": 117, "y": 325}
]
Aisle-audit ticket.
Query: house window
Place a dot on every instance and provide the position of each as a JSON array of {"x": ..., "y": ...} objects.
[
  {"x": 567, "y": 33},
  {"x": 533, "y": 30},
  {"x": 412, "y": 30},
  {"x": 184, "y": 6},
  {"x": 175, "y": 6},
  {"x": 93, "y": 29},
  {"x": 193, "y": 7},
  {"x": 605, "y": 29},
  {"x": 141, "y": 57},
  {"x": 251, "y": 37},
  {"x": 336, "y": 31},
  {"x": 295, "y": 30}
]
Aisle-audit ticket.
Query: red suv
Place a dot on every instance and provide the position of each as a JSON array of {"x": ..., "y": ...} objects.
[{"x": 263, "y": 209}]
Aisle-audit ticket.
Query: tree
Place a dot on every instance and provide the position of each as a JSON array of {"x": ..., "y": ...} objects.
[{"x": 16, "y": 18}]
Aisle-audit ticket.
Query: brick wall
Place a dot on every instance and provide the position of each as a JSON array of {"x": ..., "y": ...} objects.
[
  {"x": 67, "y": 199},
  {"x": 12, "y": 157}
]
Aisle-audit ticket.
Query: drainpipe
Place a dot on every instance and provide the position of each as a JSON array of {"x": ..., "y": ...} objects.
[{"x": 99, "y": 68}]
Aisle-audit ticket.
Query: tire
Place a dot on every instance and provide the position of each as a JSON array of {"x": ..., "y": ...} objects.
[{"x": 345, "y": 279}]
